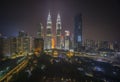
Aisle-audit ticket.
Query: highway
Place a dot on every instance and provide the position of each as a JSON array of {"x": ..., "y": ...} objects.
[{"x": 16, "y": 65}]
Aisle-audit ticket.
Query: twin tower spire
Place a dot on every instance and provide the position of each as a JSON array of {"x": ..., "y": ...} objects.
[
  {"x": 52, "y": 41},
  {"x": 49, "y": 20}
]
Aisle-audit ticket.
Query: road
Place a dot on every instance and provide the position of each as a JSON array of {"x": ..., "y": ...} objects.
[
  {"x": 59, "y": 66},
  {"x": 10, "y": 67}
]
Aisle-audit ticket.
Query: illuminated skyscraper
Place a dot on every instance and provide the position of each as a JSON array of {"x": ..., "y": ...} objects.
[
  {"x": 58, "y": 32},
  {"x": 40, "y": 33},
  {"x": 67, "y": 40},
  {"x": 78, "y": 32},
  {"x": 48, "y": 38},
  {"x": 23, "y": 42}
]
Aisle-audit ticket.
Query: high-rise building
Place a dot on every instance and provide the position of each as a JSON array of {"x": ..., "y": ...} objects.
[
  {"x": 32, "y": 43},
  {"x": 48, "y": 38},
  {"x": 13, "y": 45},
  {"x": 26, "y": 44},
  {"x": 52, "y": 40},
  {"x": 78, "y": 32},
  {"x": 4, "y": 46},
  {"x": 67, "y": 40},
  {"x": 40, "y": 32},
  {"x": 38, "y": 44},
  {"x": 23, "y": 42},
  {"x": 58, "y": 32},
  {"x": 39, "y": 40},
  {"x": 22, "y": 33},
  {"x": 62, "y": 42}
]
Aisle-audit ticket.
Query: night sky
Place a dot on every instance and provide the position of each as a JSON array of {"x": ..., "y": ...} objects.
[{"x": 101, "y": 18}]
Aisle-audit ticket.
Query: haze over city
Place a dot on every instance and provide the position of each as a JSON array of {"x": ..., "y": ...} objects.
[
  {"x": 100, "y": 19},
  {"x": 59, "y": 41}
]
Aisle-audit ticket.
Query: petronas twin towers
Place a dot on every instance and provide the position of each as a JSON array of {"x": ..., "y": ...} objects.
[{"x": 53, "y": 40}]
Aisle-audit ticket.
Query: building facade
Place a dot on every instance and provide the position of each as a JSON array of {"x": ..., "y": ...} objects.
[
  {"x": 40, "y": 32},
  {"x": 58, "y": 33},
  {"x": 48, "y": 36},
  {"x": 78, "y": 32},
  {"x": 67, "y": 40},
  {"x": 38, "y": 44},
  {"x": 52, "y": 40},
  {"x": 4, "y": 46}
]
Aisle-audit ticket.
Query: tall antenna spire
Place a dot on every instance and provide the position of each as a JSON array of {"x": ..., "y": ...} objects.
[
  {"x": 58, "y": 18},
  {"x": 49, "y": 18},
  {"x": 58, "y": 23}
]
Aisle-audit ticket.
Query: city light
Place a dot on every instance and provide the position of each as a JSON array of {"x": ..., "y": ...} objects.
[
  {"x": 60, "y": 41},
  {"x": 67, "y": 33},
  {"x": 53, "y": 43}
]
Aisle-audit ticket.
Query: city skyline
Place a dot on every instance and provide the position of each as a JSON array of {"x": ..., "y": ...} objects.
[{"x": 100, "y": 18}]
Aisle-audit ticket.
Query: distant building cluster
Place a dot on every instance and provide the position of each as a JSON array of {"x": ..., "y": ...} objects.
[
  {"x": 48, "y": 39},
  {"x": 92, "y": 45},
  {"x": 20, "y": 45},
  {"x": 62, "y": 40},
  {"x": 55, "y": 39}
]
